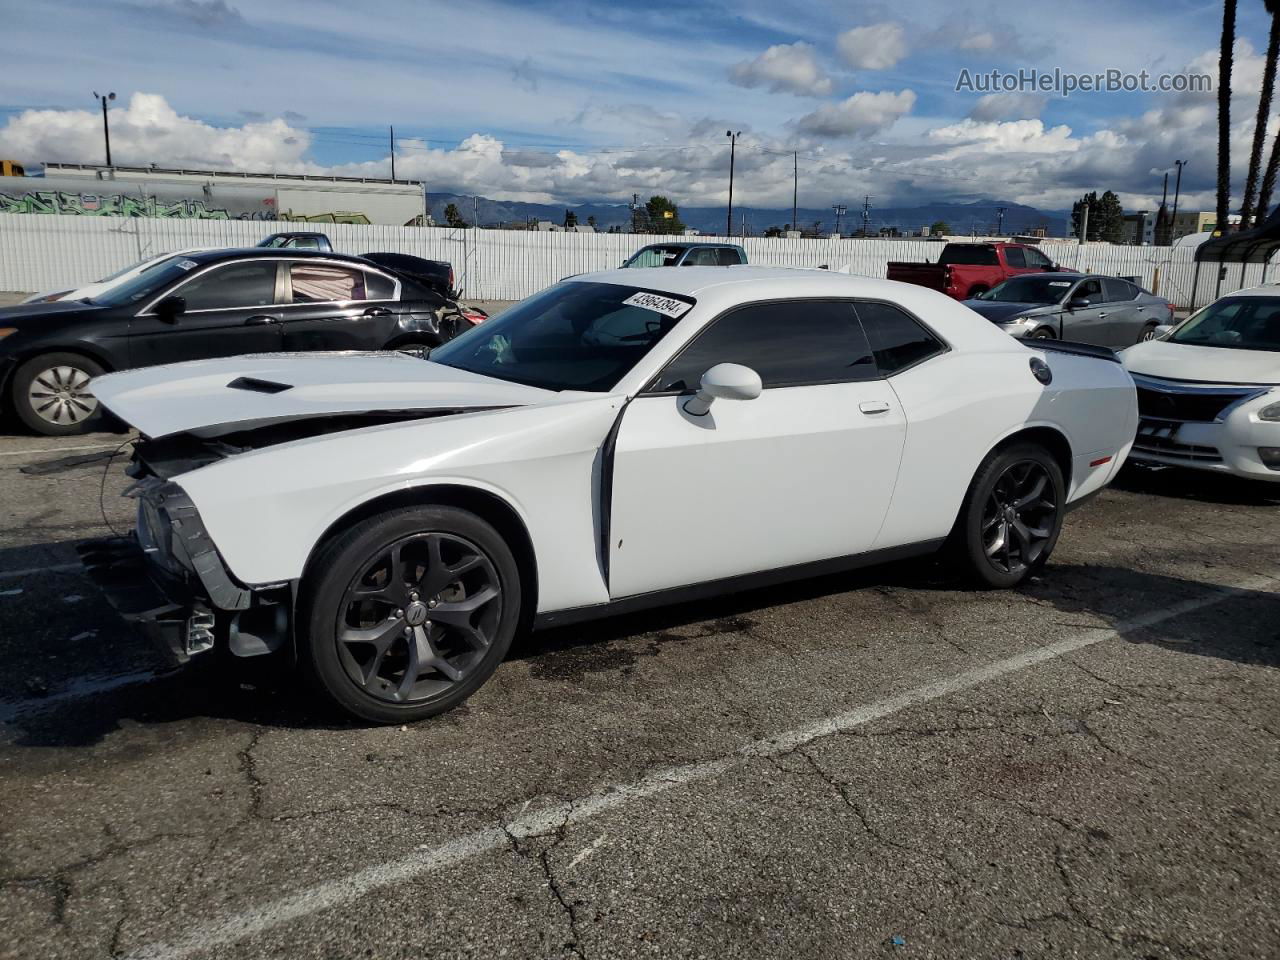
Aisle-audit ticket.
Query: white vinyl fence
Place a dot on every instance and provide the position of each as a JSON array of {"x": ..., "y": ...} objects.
[{"x": 39, "y": 252}]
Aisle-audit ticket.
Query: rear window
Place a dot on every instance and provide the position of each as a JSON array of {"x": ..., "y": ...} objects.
[{"x": 973, "y": 254}]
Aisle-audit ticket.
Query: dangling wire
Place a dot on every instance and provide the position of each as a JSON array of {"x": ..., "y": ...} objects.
[{"x": 102, "y": 487}]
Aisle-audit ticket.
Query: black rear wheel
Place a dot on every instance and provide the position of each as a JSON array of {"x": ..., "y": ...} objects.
[
  {"x": 1011, "y": 516},
  {"x": 409, "y": 612},
  {"x": 1148, "y": 332}
]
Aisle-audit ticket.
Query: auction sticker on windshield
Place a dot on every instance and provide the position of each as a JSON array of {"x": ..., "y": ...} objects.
[{"x": 669, "y": 306}]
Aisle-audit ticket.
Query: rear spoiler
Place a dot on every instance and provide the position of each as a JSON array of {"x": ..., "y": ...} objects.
[{"x": 1071, "y": 346}]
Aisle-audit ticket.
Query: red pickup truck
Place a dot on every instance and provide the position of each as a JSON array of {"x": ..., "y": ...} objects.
[{"x": 967, "y": 269}]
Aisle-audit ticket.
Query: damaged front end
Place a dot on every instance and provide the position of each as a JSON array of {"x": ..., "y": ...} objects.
[{"x": 168, "y": 579}]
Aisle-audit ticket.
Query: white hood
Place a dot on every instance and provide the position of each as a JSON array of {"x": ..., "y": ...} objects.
[
  {"x": 1180, "y": 361},
  {"x": 197, "y": 396}
]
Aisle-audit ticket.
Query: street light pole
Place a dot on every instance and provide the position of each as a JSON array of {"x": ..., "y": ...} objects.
[
  {"x": 1177, "y": 188},
  {"x": 106, "y": 131},
  {"x": 733, "y": 146}
]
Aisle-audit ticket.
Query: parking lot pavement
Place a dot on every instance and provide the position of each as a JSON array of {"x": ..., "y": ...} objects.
[{"x": 868, "y": 765}]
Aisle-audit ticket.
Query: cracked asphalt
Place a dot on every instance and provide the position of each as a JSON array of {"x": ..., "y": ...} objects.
[{"x": 870, "y": 765}]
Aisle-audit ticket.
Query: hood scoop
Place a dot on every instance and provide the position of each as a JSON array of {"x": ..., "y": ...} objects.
[{"x": 254, "y": 385}]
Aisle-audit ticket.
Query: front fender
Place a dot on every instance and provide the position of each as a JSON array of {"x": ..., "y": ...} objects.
[{"x": 267, "y": 510}]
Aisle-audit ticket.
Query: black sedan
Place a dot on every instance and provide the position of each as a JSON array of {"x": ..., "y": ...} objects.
[{"x": 211, "y": 303}]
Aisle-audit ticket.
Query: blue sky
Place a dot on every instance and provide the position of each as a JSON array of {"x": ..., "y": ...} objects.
[{"x": 577, "y": 100}]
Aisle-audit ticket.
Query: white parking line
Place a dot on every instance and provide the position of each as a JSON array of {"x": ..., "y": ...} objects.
[
  {"x": 28, "y": 571},
  {"x": 95, "y": 446},
  {"x": 335, "y": 893}
]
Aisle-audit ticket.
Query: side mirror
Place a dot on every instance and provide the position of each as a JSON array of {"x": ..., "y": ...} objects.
[
  {"x": 171, "y": 308},
  {"x": 724, "y": 381},
  {"x": 1078, "y": 303}
]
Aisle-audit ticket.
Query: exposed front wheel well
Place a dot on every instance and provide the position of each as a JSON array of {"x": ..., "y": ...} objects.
[{"x": 489, "y": 507}]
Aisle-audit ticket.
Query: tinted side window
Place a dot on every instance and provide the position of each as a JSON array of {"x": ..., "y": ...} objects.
[
  {"x": 313, "y": 283},
  {"x": 1037, "y": 259},
  {"x": 897, "y": 339},
  {"x": 1015, "y": 256},
  {"x": 728, "y": 257},
  {"x": 788, "y": 344},
  {"x": 378, "y": 287},
  {"x": 974, "y": 254},
  {"x": 699, "y": 258},
  {"x": 1090, "y": 290},
  {"x": 235, "y": 285},
  {"x": 1118, "y": 289}
]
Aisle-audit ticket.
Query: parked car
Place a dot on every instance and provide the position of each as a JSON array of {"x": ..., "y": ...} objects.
[
  {"x": 435, "y": 275},
  {"x": 687, "y": 255},
  {"x": 212, "y": 303},
  {"x": 966, "y": 270},
  {"x": 300, "y": 241},
  {"x": 1209, "y": 391},
  {"x": 612, "y": 443},
  {"x": 1088, "y": 309}
]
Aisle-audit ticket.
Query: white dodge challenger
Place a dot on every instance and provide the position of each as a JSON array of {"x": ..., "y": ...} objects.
[{"x": 615, "y": 442}]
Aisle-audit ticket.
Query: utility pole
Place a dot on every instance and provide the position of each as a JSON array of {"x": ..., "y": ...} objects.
[
  {"x": 475, "y": 212},
  {"x": 1084, "y": 224},
  {"x": 1000, "y": 211},
  {"x": 104, "y": 98},
  {"x": 733, "y": 146},
  {"x": 393, "y": 152},
  {"x": 840, "y": 210},
  {"x": 795, "y": 187},
  {"x": 1177, "y": 188},
  {"x": 866, "y": 216}
]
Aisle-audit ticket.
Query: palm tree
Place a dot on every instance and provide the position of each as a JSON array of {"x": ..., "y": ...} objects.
[
  {"x": 1224, "y": 112},
  {"x": 1264, "y": 115},
  {"x": 1273, "y": 159}
]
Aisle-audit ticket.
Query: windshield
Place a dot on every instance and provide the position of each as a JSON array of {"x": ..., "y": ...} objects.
[
  {"x": 1241, "y": 323},
  {"x": 573, "y": 336},
  {"x": 655, "y": 257},
  {"x": 148, "y": 282},
  {"x": 146, "y": 264},
  {"x": 1029, "y": 290}
]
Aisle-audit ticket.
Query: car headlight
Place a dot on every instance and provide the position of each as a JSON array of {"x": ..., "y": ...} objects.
[{"x": 1271, "y": 412}]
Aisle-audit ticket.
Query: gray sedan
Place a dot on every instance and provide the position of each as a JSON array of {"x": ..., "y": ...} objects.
[{"x": 1107, "y": 311}]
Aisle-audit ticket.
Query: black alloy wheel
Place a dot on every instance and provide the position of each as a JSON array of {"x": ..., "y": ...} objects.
[
  {"x": 411, "y": 612},
  {"x": 1011, "y": 516}
]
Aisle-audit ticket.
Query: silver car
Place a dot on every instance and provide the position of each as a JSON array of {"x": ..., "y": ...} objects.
[{"x": 1087, "y": 308}]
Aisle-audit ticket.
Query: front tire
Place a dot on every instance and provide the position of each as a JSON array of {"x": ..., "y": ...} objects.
[
  {"x": 407, "y": 613},
  {"x": 1011, "y": 516},
  {"x": 1043, "y": 333},
  {"x": 50, "y": 394}
]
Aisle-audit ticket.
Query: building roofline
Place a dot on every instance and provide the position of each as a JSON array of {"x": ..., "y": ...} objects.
[{"x": 235, "y": 174}]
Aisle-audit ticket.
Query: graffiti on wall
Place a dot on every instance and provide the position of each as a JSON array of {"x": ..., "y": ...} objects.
[
  {"x": 108, "y": 205},
  {"x": 69, "y": 203}
]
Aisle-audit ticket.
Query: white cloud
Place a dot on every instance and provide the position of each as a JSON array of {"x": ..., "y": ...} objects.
[
  {"x": 981, "y": 41},
  {"x": 1008, "y": 106},
  {"x": 784, "y": 68},
  {"x": 862, "y": 113},
  {"x": 148, "y": 130},
  {"x": 876, "y": 47}
]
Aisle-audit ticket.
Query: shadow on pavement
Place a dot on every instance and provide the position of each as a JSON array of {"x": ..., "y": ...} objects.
[
  {"x": 1243, "y": 626},
  {"x": 1198, "y": 485}
]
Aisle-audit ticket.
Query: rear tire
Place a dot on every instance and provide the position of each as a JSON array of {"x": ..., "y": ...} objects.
[
  {"x": 1148, "y": 332},
  {"x": 406, "y": 614},
  {"x": 1011, "y": 517},
  {"x": 50, "y": 394}
]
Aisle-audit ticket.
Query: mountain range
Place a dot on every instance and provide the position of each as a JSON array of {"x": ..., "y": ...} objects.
[{"x": 978, "y": 216}]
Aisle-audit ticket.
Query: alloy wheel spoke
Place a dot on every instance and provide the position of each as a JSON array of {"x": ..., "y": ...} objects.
[{"x": 1034, "y": 494}]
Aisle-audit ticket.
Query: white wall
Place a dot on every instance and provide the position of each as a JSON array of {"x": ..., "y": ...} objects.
[{"x": 53, "y": 252}]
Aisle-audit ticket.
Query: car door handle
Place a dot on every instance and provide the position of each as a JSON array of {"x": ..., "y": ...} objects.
[
  {"x": 259, "y": 321},
  {"x": 872, "y": 407},
  {"x": 1102, "y": 315},
  {"x": 377, "y": 312}
]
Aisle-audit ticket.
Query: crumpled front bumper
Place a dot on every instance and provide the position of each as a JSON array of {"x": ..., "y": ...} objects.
[
  {"x": 169, "y": 615},
  {"x": 168, "y": 579}
]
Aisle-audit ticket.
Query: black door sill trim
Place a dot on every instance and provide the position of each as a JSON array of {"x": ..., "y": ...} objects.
[{"x": 738, "y": 584}]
